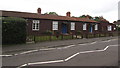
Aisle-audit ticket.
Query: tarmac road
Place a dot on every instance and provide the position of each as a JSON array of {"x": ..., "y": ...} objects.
[{"x": 95, "y": 53}]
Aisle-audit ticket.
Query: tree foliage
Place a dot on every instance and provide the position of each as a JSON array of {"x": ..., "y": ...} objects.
[
  {"x": 86, "y": 16},
  {"x": 101, "y": 19},
  {"x": 13, "y": 30},
  {"x": 51, "y": 13},
  {"x": 97, "y": 18}
]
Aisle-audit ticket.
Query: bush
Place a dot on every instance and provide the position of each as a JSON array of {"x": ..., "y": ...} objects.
[
  {"x": 13, "y": 30},
  {"x": 48, "y": 32},
  {"x": 78, "y": 32}
]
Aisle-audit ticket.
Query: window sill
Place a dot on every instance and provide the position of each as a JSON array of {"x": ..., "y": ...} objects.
[{"x": 35, "y": 30}]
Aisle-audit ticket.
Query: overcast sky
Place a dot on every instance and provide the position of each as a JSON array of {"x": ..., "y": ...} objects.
[{"x": 106, "y": 8}]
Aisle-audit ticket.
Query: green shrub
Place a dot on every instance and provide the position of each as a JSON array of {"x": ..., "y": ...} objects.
[
  {"x": 78, "y": 32},
  {"x": 48, "y": 32},
  {"x": 13, "y": 30}
]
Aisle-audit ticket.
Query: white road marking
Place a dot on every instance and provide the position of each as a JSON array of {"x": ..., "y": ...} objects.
[
  {"x": 16, "y": 54},
  {"x": 28, "y": 51},
  {"x": 107, "y": 41},
  {"x": 93, "y": 42},
  {"x": 114, "y": 39},
  {"x": 88, "y": 43},
  {"x": 113, "y": 45},
  {"x": 65, "y": 47},
  {"x": 104, "y": 41},
  {"x": 22, "y": 65},
  {"x": 67, "y": 59},
  {"x": 60, "y": 48},
  {"x": 6, "y": 55},
  {"x": 90, "y": 51},
  {"x": 71, "y": 56},
  {"x": 48, "y": 49},
  {"x": 69, "y": 46},
  {"x": 106, "y": 48},
  {"x": 56, "y": 61},
  {"x": 82, "y": 44}
]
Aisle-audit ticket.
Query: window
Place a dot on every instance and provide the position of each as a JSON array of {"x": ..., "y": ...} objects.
[
  {"x": 109, "y": 28},
  {"x": 114, "y": 28},
  {"x": 96, "y": 26},
  {"x": 84, "y": 26},
  {"x": 72, "y": 26},
  {"x": 55, "y": 25},
  {"x": 35, "y": 25}
]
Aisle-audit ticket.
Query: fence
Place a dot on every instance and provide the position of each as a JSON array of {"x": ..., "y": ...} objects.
[{"x": 42, "y": 38}]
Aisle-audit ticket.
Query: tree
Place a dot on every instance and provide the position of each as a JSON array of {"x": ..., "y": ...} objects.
[
  {"x": 97, "y": 18},
  {"x": 83, "y": 16},
  {"x": 51, "y": 13},
  {"x": 86, "y": 16},
  {"x": 101, "y": 19}
]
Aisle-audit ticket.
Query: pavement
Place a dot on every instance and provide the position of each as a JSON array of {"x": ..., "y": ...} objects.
[{"x": 81, "y": 52}]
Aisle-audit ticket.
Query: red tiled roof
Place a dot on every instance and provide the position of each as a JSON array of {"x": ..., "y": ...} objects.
[{"x": 43, "y": 16}]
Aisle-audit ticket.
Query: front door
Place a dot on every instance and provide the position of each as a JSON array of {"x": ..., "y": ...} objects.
[
  {"x": 64, "y": 28},
  {"x": 91, "y": 29}
]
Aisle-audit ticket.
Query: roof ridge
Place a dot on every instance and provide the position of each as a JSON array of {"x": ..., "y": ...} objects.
[
  {"x": 43, "y": 16},
  {"x": 17, "y": 11}
]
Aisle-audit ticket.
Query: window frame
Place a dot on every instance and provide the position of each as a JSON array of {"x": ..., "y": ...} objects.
[
  {"x": 85, "y": 26},
  {"x": 109, "y": 28},
  {"x": 72, "y": 26},
  {"x": 96, "y": 26},
  {"x": 55, "y": 25},
  {"x": 35, "y": 25}
]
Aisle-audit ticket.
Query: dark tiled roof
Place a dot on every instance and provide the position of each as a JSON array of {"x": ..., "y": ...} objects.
[{"x": 43, "y": 16}]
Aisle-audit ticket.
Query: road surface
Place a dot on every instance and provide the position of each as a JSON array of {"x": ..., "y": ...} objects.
[{"x": 95, "y": 53}]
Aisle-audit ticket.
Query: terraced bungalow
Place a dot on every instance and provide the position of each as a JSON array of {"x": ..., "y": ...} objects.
[{"x": 38, "y": 24}]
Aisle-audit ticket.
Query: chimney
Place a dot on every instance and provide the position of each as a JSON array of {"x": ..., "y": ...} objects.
[
  {"x": 39, "y": 10},
  {"x": 68, "y": 14}
]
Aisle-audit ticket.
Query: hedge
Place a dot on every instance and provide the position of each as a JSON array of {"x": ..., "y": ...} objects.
[{"x": 13, "y": 30}]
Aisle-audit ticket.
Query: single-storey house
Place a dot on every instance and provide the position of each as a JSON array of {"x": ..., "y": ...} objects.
[{"x": 38, "y": 23}]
